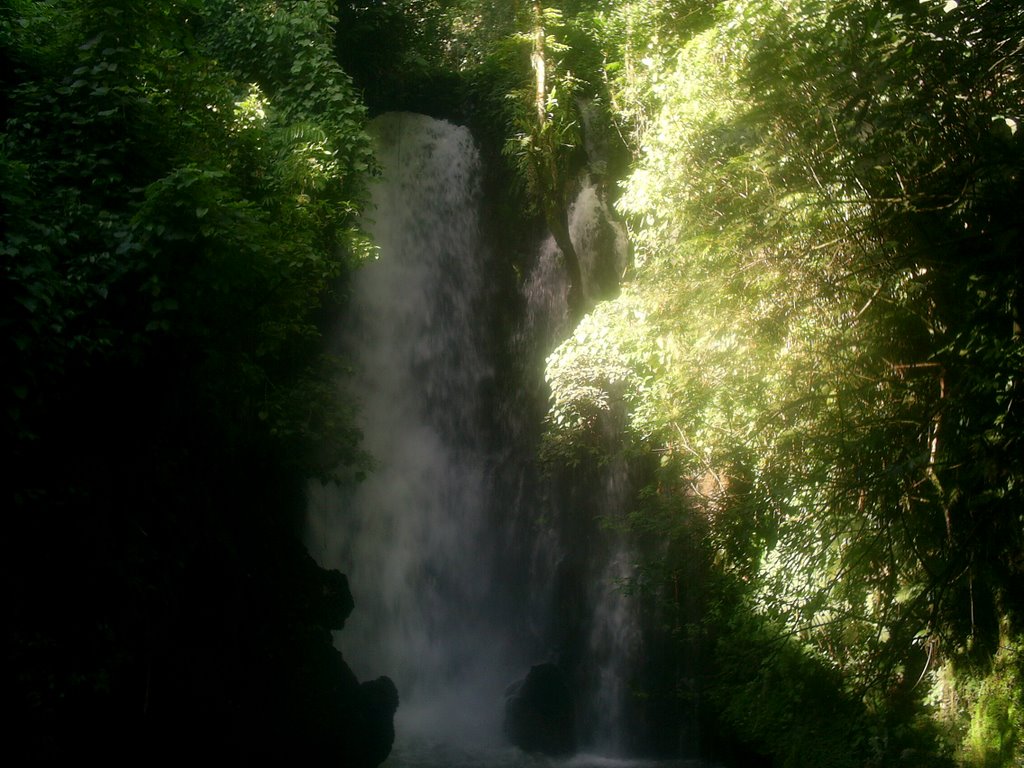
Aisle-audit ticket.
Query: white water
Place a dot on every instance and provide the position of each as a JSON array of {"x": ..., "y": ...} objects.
[
  {"x": 615, "y": 630},
  {"x": 448, "y": 756},
  {"x": 411, "y": 536},
  {"x": 613, "y": 633},
  {"x": 425, "y": 537},
  {"x": 590, "y": 222},
  {"x": 547, "y": 315}
]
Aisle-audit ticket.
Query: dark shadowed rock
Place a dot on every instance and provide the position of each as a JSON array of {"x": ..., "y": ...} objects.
[
  {"x": 540, "y": 712},
  {"x": 332, "y": 603},
  {"x": 379, "y": 700}
]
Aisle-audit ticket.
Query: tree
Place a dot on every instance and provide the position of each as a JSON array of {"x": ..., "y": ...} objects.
[
  {"x": 827, "y": 291},
  {"x": 547, "y": 135},
  {"x": 180, "y": 185}
]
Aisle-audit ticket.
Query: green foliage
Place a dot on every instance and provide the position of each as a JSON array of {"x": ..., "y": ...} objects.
[
  {"x": 994, "y": 737},
  {"x": 180, "y": 207},
  {"x": 984, "y": 706},
  {"x": 600, "y": 378},
  {"x": 637, "y": 43},
  {"x": 179, "y": 185},
  {"x": 396, "y": 50},
  {"x": 828, "y": 279},
  {"x": 542, "y": 137},
  {"x": 776, "y": 698}
]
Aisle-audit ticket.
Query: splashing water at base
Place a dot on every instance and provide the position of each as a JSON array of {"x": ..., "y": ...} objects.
[{"x": 425, "y": 755}]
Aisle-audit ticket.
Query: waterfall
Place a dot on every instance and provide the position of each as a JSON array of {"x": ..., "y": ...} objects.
[
  {"x": 577, "y": 564},
  {"x": 466, "y": 563},
  {"x": 614, "y": 638},
  {"x": 411, "y": 537}
]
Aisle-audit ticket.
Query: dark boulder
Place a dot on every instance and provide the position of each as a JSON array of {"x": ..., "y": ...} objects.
[
  {"x": 331, "y": 602},
  {"x": 540, "y": 714},
  {"x": 378, "y": 704}
]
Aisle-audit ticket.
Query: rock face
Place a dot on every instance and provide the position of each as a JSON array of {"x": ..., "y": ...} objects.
[
  {"x": 342, "y": 718},
  {"x": 284, "y": 696},
  {"x": 303, "y": 703},
  {"x": 540, "y": 712}
]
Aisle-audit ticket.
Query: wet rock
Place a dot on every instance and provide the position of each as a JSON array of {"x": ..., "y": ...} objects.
[
  {"x": 540, "y": 712},
  {"x": 379, "y": 703},
  {"x": 332, "y": 602}
]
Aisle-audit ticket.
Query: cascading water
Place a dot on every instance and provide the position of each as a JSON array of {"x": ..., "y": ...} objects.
[
  {"x": 411, "y": 537},
  {"x": 586, "y": 566},
  {"x": 466, "y": 565}
]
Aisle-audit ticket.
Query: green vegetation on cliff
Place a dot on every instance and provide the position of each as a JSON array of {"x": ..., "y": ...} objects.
[
  {"x": 179, "y": 184},
  {"x": 821, "y": 340}
]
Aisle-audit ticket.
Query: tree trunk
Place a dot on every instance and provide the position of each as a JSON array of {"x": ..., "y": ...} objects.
[{"x": 537, "y": 60}]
